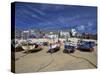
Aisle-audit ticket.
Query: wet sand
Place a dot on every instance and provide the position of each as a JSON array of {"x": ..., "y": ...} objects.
[{"x": 42, "y": 61}]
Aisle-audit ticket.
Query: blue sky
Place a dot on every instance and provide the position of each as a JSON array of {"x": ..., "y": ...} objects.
[{"x": 55, "y": 17}]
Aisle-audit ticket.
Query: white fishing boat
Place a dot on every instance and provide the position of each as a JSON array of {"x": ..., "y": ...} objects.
[
  {"x": 31, "y": 47},
  {"x": 54, "y": 47}
]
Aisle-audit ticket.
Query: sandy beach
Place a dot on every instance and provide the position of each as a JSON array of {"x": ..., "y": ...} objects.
[{"x": 42, "y": 61}]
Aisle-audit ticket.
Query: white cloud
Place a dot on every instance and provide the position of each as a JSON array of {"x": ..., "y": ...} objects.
[
  {"x": 81, "y": 27},
  {"x": 90, "y": 23},
  {"x": 38, "y": 11}
]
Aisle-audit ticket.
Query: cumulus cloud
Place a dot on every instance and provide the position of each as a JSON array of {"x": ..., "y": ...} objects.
[
  {"x": 90, "y": 23},
  {"x": 81, "y": 27}
]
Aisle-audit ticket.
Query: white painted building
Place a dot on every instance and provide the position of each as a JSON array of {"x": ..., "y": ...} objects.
[
  {"x": 65, "y": 33},
  {"x": 25, "y": 34},
  {"x": 74, "y": 32},
  {"x": 52, "y": 36},
  {"x": 18, "y": 33}
]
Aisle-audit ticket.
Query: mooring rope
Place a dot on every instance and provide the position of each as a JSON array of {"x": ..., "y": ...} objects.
[
  {"x": 52, "y": 60},
  {"x": 84, "y": 59},
  {"x": 21, "y": 57}
]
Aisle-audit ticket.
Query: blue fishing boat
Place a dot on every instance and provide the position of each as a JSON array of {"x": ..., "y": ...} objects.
[
  {"x": 69, "y": 47},
  {"x": 86, "y": 45}
]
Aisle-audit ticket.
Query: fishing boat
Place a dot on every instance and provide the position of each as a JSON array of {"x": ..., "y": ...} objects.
[
  {"x": 31, "y": 47},
  {"x": 16, "y": 46},
  {"x": 54, "y": 47},
  {"x": 69, "y": 47},
  {"x": 85, "y": 45}
]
